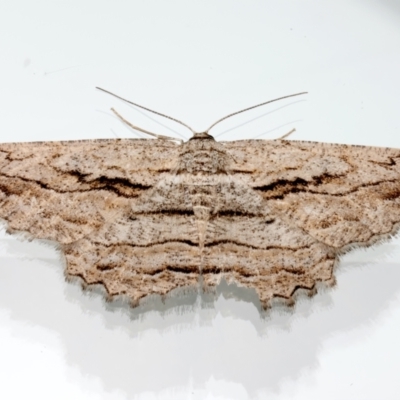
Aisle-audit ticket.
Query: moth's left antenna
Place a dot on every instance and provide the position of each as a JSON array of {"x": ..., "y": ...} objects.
[{"x": 148, "y": 109}]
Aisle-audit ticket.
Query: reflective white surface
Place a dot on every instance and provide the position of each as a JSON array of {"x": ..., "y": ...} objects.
[{"x": 198, "y": 61}]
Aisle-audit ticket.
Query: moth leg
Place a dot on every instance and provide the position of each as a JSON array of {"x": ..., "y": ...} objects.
[
  {"x": 137, "y": 128},
  {"x": 286, "y": 134}
]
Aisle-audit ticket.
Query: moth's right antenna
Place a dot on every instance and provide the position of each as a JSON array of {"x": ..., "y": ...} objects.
[
  {"x": 148, "y": 109},
  {"x": 250, "y": 108}
]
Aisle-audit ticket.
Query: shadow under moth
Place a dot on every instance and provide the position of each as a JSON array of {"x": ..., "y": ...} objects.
[{"x": 147, "y": 217}]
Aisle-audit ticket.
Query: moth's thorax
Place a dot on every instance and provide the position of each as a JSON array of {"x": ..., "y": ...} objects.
[
  {"x": 202, "y": 155},
  {"x": 201, "y": 163}
]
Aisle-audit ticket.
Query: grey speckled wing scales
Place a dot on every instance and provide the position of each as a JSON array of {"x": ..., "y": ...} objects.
[{"x": 342, "y": 195}]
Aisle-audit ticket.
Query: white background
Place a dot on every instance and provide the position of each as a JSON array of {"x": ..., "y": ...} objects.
[{"x": 197, "y": 61}]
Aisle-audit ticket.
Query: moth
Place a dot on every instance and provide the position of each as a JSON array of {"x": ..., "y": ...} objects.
[{"x": 147, "y": 217}]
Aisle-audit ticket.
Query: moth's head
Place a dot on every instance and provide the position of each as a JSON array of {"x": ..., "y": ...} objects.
[{"x": 202, "y": 136}]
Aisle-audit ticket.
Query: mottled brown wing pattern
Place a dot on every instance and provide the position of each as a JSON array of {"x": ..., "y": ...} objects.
[{"x": 144, "y": 217}]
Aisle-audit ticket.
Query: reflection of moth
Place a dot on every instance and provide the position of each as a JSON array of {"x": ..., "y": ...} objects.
[{"x": 143, "y": 216}]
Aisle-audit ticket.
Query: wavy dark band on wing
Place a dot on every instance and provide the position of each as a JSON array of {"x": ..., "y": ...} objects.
[
  {"x": 280, "y": 188},
  {"x": 119, "y": 186}
]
